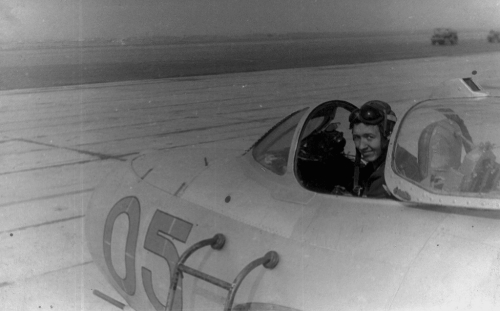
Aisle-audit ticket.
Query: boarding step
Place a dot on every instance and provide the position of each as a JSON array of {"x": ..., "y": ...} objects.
[{"x": 269, "y": 260}]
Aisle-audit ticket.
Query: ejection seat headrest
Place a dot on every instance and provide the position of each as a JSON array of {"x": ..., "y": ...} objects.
[{"x": 439, "y": 147}]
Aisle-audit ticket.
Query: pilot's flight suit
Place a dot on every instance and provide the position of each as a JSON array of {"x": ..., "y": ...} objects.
[{"x": 373, "y": 180}]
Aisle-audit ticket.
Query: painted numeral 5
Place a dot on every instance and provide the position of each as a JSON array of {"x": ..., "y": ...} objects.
[{"x": 156, "y": 241}]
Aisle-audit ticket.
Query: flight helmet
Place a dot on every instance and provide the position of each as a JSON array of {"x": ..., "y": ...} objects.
[{"x": 375, "y": 112}]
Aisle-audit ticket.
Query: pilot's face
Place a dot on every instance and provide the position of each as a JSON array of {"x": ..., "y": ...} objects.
[{"x": 368, "y": 141}]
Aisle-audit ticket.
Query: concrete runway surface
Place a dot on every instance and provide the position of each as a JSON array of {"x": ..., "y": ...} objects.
[{"x": 58, "y": 143}]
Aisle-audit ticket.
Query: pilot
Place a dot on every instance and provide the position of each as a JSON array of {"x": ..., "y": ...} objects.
[{"x": 371, "y": 127}]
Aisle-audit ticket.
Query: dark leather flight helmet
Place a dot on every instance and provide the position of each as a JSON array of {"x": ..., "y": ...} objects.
[{"x": 375, "y": 112}]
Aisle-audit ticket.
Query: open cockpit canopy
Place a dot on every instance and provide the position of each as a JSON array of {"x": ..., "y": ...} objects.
[{"x": 446, "y": 151}]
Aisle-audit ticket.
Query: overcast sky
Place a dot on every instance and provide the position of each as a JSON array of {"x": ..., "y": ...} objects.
[{"x": 83, "y": 19}]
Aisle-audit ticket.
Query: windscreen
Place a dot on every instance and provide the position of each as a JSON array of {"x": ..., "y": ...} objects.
[{"x": 272, "y": 150}]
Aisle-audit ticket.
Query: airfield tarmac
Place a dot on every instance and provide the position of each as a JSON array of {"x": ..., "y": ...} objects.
[
  {"x": 87, "y": 62},
  {"x": 58, "y": 142}
]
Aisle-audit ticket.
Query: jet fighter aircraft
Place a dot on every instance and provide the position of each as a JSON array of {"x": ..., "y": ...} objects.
[{"x": 201, "y": 229}]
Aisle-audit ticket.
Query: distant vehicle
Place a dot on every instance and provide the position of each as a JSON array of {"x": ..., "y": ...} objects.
[
  {"x": 436, "y": 247},
  {"x": 444, "y": 36},
  {"x": 494, "y": 36}
]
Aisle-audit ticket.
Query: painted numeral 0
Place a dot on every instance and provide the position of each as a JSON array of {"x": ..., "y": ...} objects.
[{"x": 129, "y": 206}]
